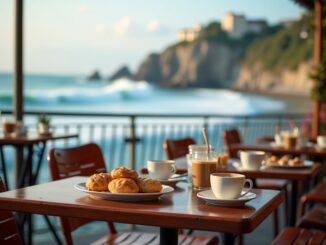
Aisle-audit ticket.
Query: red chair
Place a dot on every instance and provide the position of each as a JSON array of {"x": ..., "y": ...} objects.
[
  {"x": 177, "y": 148},
  {"x": 316, "y": 217},
  {"x": 231, "y": 137},
  {"x": 295, "y": 235},
  {"x": 86, "y": 160},
  {"x": 9, "y": 233}
]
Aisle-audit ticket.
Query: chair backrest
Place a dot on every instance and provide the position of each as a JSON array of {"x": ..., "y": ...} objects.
[
  {"x": 230, "y": 137},
  {"x": 177, "y": 148},
  {"x": 83, "y": 160},
  {"x": 9, "y": 233}
]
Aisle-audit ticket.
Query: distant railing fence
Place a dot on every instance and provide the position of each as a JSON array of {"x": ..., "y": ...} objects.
[{"x": 131, "y": 140}]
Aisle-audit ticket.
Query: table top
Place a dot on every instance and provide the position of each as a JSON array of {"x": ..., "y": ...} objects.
[
  {"x": 308, "y": 151},
  {"x": 33, "y": 138},
  {"x": 277, "y": 173},
  {"x": 181, "y": 209}
]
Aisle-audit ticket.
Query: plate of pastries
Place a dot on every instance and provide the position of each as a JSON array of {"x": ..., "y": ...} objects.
[
  {"x": 123, "y": 184},
  {"x": 287, "y": 162}
]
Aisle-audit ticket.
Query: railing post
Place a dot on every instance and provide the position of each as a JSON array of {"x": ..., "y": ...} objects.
[
  {"x": 132, "y": 142},
  {"x": 245, "y": 129}
]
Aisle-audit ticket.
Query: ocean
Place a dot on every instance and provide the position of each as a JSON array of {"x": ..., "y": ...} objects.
[{"x": 75, "y": 93}]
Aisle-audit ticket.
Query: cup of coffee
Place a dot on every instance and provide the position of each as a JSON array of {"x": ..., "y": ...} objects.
[
  {"x": 202, "y": 165},
  {"x": 321, "y": 141},
  {"x": 290, "y": 141},
  {"x": 161, "y": 169},
  {"x": 8, "y": 126},
  {"x": 252, "y": 160},
  {"x": 229, "y": 185},
  {"x": 195, "y": 148},
  {"x": 278, "y": 139}
]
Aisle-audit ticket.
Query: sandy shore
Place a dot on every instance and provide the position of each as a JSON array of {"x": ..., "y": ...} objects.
[{"x": 295, "y": 103}]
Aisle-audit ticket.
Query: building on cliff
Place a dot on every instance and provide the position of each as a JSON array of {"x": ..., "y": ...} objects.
[
  {"x": 189, "y": 34},
  {"x": 237, "y": 25}
]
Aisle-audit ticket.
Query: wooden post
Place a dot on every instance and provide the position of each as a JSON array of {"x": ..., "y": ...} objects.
[
  {"x": 18, "y": 88},
  {"x": 318, "y": 48}
]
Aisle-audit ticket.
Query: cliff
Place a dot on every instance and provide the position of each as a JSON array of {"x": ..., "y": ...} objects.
[
  {"x": 287, "y": 81},
  {"x": 278, "y": 59},
  {"x": 205, "y": 63}
]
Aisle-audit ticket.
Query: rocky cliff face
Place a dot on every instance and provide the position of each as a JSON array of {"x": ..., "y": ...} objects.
[
  {"x": 287, "y": 81},
  {"x": 214, "y": 64},
  {"x": 199, "y": 64}
]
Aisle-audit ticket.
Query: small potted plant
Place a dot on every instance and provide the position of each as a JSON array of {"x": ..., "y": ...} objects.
[{"x": 43, "y": 124}]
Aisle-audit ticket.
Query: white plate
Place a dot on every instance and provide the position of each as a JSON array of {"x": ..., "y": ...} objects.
[
  {"x": 209, "y": 197},
  {"x": 124, "y": 197},
  {"x": 306, "y": 145},
  {"x": 306, "y": 164}
]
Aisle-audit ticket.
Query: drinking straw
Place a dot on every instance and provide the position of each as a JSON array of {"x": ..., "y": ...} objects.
[{"x": 205, "y": 139}]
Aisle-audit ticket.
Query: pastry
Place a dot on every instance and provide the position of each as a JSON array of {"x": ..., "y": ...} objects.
[
  {"x": 147, "y": 185},
  {"x": 272, "y": 160},
  {"x": 222, "y": 159},
  {"x": 296, "y": 161},
  {"x": 123, "y": 185},
  {"x": 98, "y": 182},
  {"x": 122, "y": 172},
  {"x": 284, "y": 160}
]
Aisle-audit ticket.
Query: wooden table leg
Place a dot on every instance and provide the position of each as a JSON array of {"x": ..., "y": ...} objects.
[
  {"x": 294, "y": 205},
  {"x": 4, "y": 168},
  {"x": 168, "y": 236},
  {"x": 228, "y": 238}
]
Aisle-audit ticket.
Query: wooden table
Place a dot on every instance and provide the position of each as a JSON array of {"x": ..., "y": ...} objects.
[
  {"x": 293, "y": 175},
  {"x": 307, "y": 151},
  {"x": 181, "y": 209},
  {"x": 36, "y": 145},
  {"x": 28, "y": 172}
]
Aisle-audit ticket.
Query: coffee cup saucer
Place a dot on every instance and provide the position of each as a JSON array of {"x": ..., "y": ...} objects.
[
  {"x": 176, "y": 178},
  {"x": 275, "y": 145},
  {"x": 210, "y": 199},
  {"x": 238, "y": 166}
]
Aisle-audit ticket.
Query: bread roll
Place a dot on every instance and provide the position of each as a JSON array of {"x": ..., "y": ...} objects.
[
  {"x": 98, "y": 182},
  {"x": 123, "y": 185}
]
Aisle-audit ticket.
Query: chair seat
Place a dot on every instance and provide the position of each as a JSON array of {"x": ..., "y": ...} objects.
[
  {"x": 295, "y": 235},
  {"x": 273, "y": 184},
  {"x": 138, "y": 238},
  {"x": 314, "y": 218}
]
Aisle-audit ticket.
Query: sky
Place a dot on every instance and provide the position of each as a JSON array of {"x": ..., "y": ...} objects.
[{"x": 79, "y": 36}]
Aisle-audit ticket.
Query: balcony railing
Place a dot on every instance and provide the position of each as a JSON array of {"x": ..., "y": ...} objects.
[{"x": 130, "y": 140}]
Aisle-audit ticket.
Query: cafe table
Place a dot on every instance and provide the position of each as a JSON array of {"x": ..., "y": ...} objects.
[
  {"x": 177, "y": 210},
  {"x": 35, "y": 144},
  {"x": 292, "y": 174}
]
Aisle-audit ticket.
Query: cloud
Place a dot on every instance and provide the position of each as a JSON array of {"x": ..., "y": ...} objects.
[
  {"x": 153, "y": 25},
  {"x": 83, "y": 9},
  {"x": 101, "y": 29},
  {"x": 122, "y": 27}
]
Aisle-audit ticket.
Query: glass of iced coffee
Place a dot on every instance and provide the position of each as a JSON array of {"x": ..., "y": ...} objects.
[
  {"x": 202, "y": 165},
  {"x": 8, "y": 126}
]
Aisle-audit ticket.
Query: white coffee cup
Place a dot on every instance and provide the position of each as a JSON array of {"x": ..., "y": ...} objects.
[
  {"x": 161, "y": 169},
  {"x": 252, "y": 160},
  {"x": 321, "y": 141},
  {"x": 278, "y": 139},
  {"x": 229, "y": 185}
]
